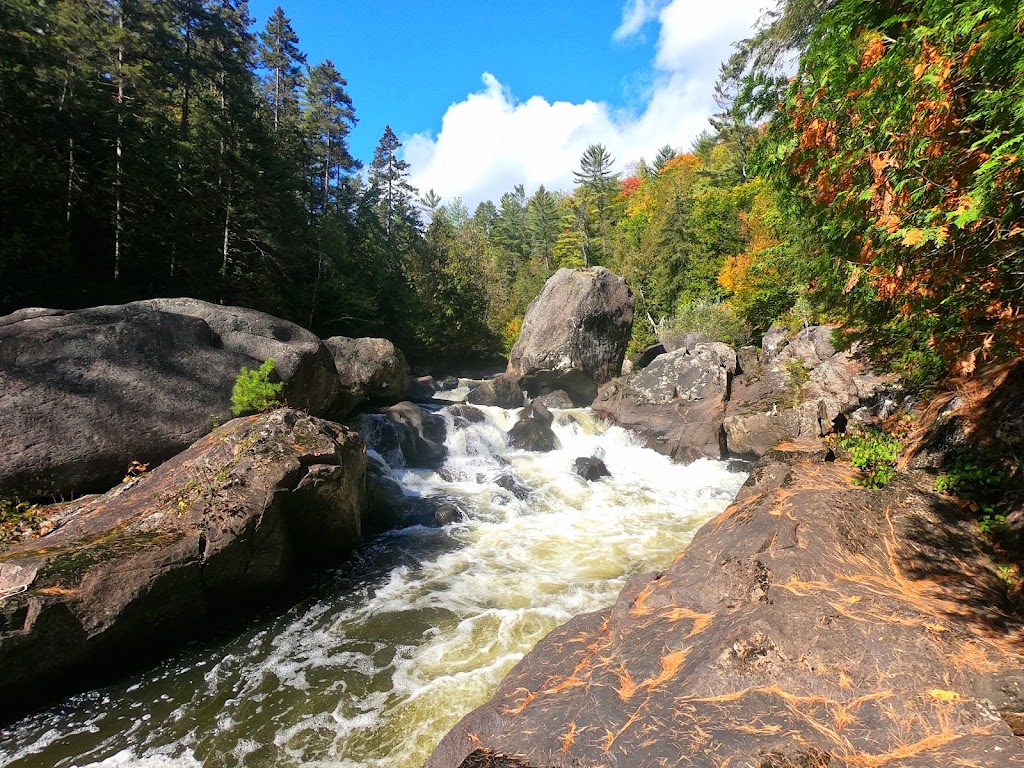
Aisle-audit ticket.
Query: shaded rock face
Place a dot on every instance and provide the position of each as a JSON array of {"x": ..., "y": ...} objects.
[
  {"x": 574, "y": 334},
  {"x": 502, "y": 391},
  {"x": 812, "y": 624},
  {"x": 303, "y": 363},
  {"x": 532, "y": 431},
  {"x": 224, "y": 526},
  {"x": 369, "y": 370},
  {"x": 704, "y": 399},
  {"x": 85, "y": 393}
]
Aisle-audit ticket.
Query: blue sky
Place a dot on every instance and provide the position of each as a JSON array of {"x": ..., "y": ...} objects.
[{"x": 491, "y": 93}]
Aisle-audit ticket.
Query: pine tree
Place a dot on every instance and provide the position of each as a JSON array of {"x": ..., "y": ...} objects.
[
  {"x": 542, "y": 225},
  {"x": 329, "y": 119},
  {"x": 389, "y": 183},
  {"x": 282, "y": 61},
  {"x": 665, "y": 154}
]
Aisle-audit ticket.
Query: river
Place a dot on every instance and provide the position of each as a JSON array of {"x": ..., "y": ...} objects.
[{"x": 416, "y": 631}]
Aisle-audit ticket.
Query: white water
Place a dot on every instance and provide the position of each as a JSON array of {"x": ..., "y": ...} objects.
[{"x": 415, "y": 633}]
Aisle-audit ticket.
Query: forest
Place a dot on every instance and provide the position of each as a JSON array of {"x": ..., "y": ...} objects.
[{"x": 864, "y": 167}]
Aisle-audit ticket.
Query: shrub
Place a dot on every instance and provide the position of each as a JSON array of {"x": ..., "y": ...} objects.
[
  {"x": 874, "y": 453},
  {"x": 254, "y": 392},
  {"x": 716, "y": 320}
]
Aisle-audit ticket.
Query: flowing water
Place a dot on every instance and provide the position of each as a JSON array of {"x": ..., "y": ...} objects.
[{"x": 417, "y": 631}]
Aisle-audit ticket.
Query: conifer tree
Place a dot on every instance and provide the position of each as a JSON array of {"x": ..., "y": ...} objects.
[{"x": 282, "y": 62}]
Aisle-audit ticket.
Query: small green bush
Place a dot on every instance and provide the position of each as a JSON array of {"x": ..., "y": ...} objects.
[
  {"x": 875, "y": 454},
  {"x": 716, "y": 320},
  {"x": 17, "y": 517},
  {"x": 254, "y": 392},
  {"x": 977, "y": 481}
]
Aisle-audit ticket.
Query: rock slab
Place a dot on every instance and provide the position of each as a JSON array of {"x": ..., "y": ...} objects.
[
  {"x": 369, "y": 370},
  {"x": 227, "y": 525},
  {"x": 811, "y": 625}
]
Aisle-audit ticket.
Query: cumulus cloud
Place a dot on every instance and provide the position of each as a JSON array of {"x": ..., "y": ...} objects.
[{"x": 491, "y": 141}]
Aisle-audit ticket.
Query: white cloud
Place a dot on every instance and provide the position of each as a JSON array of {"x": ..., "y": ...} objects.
[{"x": 490, "y": 141}]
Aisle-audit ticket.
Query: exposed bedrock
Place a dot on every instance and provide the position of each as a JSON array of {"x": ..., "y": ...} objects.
[
  {"x": 228, "y": 525},
  {"x": 812, "y": 624}
]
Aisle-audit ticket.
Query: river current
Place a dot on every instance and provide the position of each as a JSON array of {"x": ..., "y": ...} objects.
[{"x": 417, "y": 630}]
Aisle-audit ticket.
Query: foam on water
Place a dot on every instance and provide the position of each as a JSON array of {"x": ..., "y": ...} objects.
[{"x": 418, "y": 630}]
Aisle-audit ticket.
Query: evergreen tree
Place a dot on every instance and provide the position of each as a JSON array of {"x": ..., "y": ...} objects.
[
  {"x": 665, "y": 154},
  {"x": 329, "y": 118},
  {"x": 282, "y": 61},
  {"x": 543, "y": 218},
  {"x": 389, "y": 183}
]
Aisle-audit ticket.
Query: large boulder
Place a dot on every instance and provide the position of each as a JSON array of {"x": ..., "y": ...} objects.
[
  {"x": 84, "y": 393},
  {"x": 812, "y": 624},
  {"x": 303, "y": 363},
  {"x": 369, "y": 370},
  {"x": 228, "y": 525},
  {"x": 574, "y": 334}
]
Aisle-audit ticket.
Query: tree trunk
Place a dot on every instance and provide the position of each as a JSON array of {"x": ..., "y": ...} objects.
[{"x": 119, "y": 149}]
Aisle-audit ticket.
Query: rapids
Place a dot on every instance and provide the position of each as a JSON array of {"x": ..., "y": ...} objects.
[{"x": 417, "y": 630}]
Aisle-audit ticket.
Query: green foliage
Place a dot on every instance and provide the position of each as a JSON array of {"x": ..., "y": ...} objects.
[
  {"x": 899, "y": 141},
  {"x": 18, "y": 518},
  {"x": 714, "y": 319},
  {"x": 874, "y": 453},
  {"x": 977, "y": 481},
  {"x": 254, "y": 392}
]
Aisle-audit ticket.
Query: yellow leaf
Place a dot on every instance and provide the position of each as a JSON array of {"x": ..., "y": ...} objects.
[
  {"x": 941, "y": 695},
  {"x": 936, "y": 628},
  {"x": 913, "y": 237}
]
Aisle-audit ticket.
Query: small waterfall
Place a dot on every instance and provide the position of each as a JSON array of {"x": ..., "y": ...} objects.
[{"x": 420, "y": 628}]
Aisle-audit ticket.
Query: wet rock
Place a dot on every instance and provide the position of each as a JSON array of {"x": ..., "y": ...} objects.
[
  {"x": 434, "y": 512},
  {"x": 369, "y": 370},
  {"x": 421, "y": 389},
  {"x": 464, "y": 415},
  {"x": 590, "y": 468},
  {"x": 85, "y": 393},
  {"x": 446, "y": 514},
  {"x": 226, "y": 526},
  {"x": 421, "y": 434},
  {"x": 513, "y": 485},
  {"x": 502, "y": 391},
  {"x": 574, "y": 334},
  {"x": 556, "y": 399},
  {"x": 447, "y": 384},
  {"x": 812, "y": 624},
  {"x": 385, "y": 497},
  {"x": 532, "y": 432}
]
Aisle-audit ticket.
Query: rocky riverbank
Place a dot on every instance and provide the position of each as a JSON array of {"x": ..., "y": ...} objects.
[{"x": 813, "y": 624}]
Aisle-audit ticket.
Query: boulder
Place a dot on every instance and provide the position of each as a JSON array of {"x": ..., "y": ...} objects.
[
  {"x": 464, "y": 415},
  {"x": 647, "y": 356},
  {"x": 84, "y": 393},
  {"x": 590, "y": 468},
  {"x": 532, "y": 431},
  {"x": 574, "y": 334},
  {"x": 227, "y": 525},
  {"x": 386, "y": 501},
  {"x": 812, "y": 624},
  {"x": 558, "y": 398},
  {"x": 421, "y": 434},
  {"x": 369, "y": 370},
  {"x": 502, "y": 391},
  {"x": 677, "y": 403},
  {"x": 303, "y": 363}
]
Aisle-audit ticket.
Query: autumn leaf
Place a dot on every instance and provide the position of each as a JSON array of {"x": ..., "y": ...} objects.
[{"x": 914, "y": 237}]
